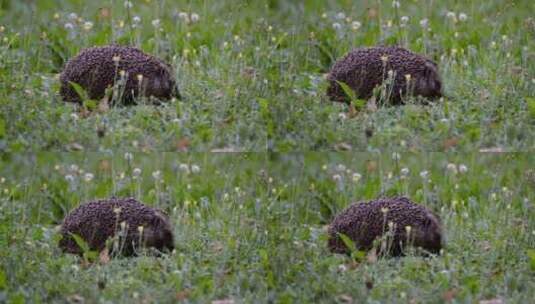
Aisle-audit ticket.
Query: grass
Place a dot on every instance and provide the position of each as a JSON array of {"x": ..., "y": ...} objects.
[
  {"x": 251, "y": 227},
  {"x": 252, "y": 75}
]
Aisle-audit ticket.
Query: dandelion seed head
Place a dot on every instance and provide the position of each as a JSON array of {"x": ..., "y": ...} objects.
[
  {"x": 452, "y": 168},
  {"x": 88, "y": 177},
  {"x": 88, "y": 26},
  {"x": 355, "y": 25},
  {"x": 424, "y": 23}
]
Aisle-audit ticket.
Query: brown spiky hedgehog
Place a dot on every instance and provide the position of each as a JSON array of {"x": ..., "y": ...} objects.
[
  {"x": 98, "y": 68},
  {"x": 386, "y": 219},
  {"x": 97, "y": 221},
  {"x": 364, "y": 69}
]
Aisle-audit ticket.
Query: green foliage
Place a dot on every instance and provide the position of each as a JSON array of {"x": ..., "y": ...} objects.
[
  {"x": 251, "y": 227},
  {"x": 252, "y": 76}
]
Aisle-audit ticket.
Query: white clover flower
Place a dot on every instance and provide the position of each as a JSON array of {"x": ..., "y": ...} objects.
[
  {"x": 88, "y": 177},
  {"x": 195, "y": 169},
  {"x": 463, "y": 16},
  {"x": 337, "y": 177},
  {"x": 451, "y": 15},
  {"x": 404, "y": 19},
  {"x": 355, "y": 25},
  {"x": 424, "y": 22},
  {"x": 342, "y": 115},
  {"x": 396, "y": 156},
  {"x": 395, "y": 4},
  {"x": 156, "y": 23},
  {"x": 69, "y": 26},
  {"x": 128, "y": 4},
  {"x": 463, "y": 168},
  {"x": 452, "y": 168},
  {"x": 73, "y": 16},
  {"x": 356, "y": 177},
  {"x": 404, "y": 171},
  {"x": 337, "y": 26},
  {"x": 88, "y": 25},
  {"x": 194, "y": 17},
  {"x": 73, "y": 168},
  {"x": 69, "y": 178},
  {"x": 340, "y": 167},
  {"x": 156, "y": 174},
  {"x": 136, "y": 19},
  {"x": 342, "y": 268},
  {"x": 340, "y": 16}
]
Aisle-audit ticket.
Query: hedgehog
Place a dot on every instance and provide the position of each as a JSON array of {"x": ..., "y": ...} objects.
[
  {"x": 364, "y": 69},
  {"x": 98, "y": 68},
  {"x": 120, "y": 219},
  {"x": 397, "y": 220}
]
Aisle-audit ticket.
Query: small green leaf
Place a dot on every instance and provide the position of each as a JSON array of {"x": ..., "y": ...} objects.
[
  {"x": 348, "y": 91},
  {"x": 531, "y": 255},
  {"x": 79, "y": 90},
  {"x": 90, "y": 104},
  {"x": 531, "y": 106},
  {"x": 80, "y": 242},
  {"x": 3, "y": 280},
  {"x": 347, "y": 241},
  {"x": 2, "y": 128}
]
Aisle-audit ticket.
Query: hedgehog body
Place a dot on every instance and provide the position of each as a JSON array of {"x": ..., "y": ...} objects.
[
  {"x": 98, "y": 68},
  {"x": 97, "y": 221},
  {"x": 364, "y": 69},
  {"x": 365, "y": 222}
]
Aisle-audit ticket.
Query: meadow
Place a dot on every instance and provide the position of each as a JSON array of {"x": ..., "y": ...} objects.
[
  {"x": 252, "y": 75},
  {"x": 250, "y": 228}
]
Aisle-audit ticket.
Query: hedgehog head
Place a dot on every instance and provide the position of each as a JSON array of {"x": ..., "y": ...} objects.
[
  {"x": 429, "y": 84},
  {"x": 430, "y": 236},
  {"x": 158, "y": 233},
  {"x": 162, "y": 84}
]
